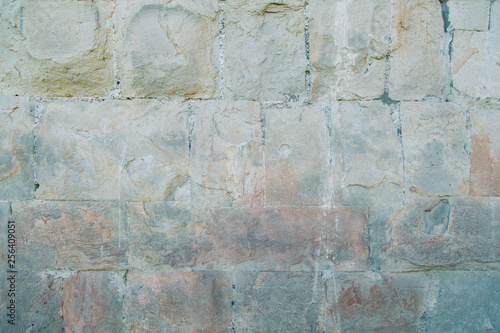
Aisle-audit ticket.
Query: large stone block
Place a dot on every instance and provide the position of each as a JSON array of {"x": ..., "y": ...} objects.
[
  {"x": 373, "y": 302},
  {"x": 167, "y": 49},
  {"x": 178, "y": 302},
  {"x": 372, "y": 156},
  {"x": 290, "y": 238},
  {"x": 485, "y": 156},
  {"x": 264, "y": 49},
  {"x": 297, "y": 153},
  {"x": 437, "y": 160},
  {"x": 16, "y": 148},
  {"x": 227, "y": 160},
  {"x": 418, "y": 66},
  {"x": 469, "y": 14},
  {"x": 448, "y": 231},
  {"x": 56, "y": 48},
  {"x": 113, "y": 150},
  {"x": 475, "y": 61},
  {"x": 462, "y": 301},
  {"x": 278, "y": 302},
  {"x": 348, "y": 42},
  {"x": 92, "y": 302},
  {"x": 72, "y": 235}
]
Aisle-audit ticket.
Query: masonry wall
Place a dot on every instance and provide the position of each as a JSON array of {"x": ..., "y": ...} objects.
[{"x": 250, "y": 166}]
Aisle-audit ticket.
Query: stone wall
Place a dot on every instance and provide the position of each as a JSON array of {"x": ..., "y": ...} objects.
[{"x": 251, "y": 166}]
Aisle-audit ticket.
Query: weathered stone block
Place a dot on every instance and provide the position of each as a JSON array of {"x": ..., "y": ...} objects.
[
  {"x": 264, "y": 49},
  {"x": 469, "y": 14},
  {"x": 92, "y": 302},
  {"x": 278, "y": 302},
  {"x": 178, "y": 302},
  {"x": 462, "y": 301},
  {"x": 56, "y": 48},
  {"x": 435, "y": 148},
  {"x": 167, "y": 49},
  {"x": 485, "y": 156},
  {"x": 445, "y": 232},
  {"x": 348, "y": 42},
  {"x": 297, "y": 153},
  {"x": 113, "y": 150},
  {"x": 372, "y": 154},
  {"x": 417, "y": 60},
  {"x": 16, "y": 149},
  {"x": 372, "y": 302},
  {"x": 72, "y": 235},
  {"x": 475, "y": 62},
  {"x": 227, "y": 160},
  {"x": 290, "y": 238}
]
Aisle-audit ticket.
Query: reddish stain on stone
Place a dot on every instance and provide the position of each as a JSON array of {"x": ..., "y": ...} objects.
[{"x": 484, "y": 179}]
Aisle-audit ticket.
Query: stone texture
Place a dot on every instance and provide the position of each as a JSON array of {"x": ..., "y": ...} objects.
[
  {"x": 16, "y": 149},
  {"x": 435, "y": 149},
  {"x": 113, "y": 150},
  {"x": 286, "y": 238},
  {"x": 463, "y": 302},
  {"x": 475, "y": 62},
  {"x": 178, "y": 302},
  {"x": 373, "y": 163},
  {"x": 56, "y": 48},
  {"x": 85, "y": 235},
  {"x": 443, "y": 232},
  {"x": 374, "y": 302},
  {"x": 278, "y": 302},
  {"x": 167, "y": 49},
  {"x": 297, "y": 156},
  {"x": 92, "y": 302},
  {"x": 227, "y": 162},
  {"x": 469, "y": 14},
  {"x": 348, "y": 42},
  {"x": 485, "y": 156},
  {"x": 417, "y": 60},
  {"x": 264, "y": 49}
]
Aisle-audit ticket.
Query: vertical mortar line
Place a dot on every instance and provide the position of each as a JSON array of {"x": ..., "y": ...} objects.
[
  {"x": 468, "y": 143},
  {"x": 190, "y": 140},
  {"x": 116, "y": 93},
  {"x": 263, "y": 143},
  {"x": 448, "y": 35},
  {"x": 233, "y": 328},
  {"x": 330, "y": 195},
  {"x": 222, "y": 38},
  {"x": 396, "y": 118},
  {"x": 38, "y": 113},
  {"x": 308, "y": 75},
  {"x": 489, "y": 17},
  {"x": 123, "y": 301}
]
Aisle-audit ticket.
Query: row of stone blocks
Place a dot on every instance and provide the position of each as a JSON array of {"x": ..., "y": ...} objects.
[{"x": 258, "y": 50}]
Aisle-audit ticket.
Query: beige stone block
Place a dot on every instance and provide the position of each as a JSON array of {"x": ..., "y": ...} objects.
[
  {"x": 469, "y": 14},
  {"x": 16, "y": 148},
  {"x": 227, "y": 161},
  {"x": 418, "y": 66},
  {"x": 437, "y": 162},
  {"x": 297, "y": 153},
  {"x": 348, "y": 42},
  {"x": 113, "y": 150},
  {"x": 56, "y": 48},
  {"x": 264, "y": 49},
  {"x": 167, "y": 49}
]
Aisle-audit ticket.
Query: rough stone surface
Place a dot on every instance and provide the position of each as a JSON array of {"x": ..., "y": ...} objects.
[
  {"x": 113, "y": 151},
  {"x": 373, "y": 163},
  {"x": 274, "y": 302},
  {"x": 443, "y": 232},
  {"x": 348, "y": 42},
  {"x": 16, "y": 148},
  {"x": 417, "y": 61},
  {"x": 178, "y": 302},
  {"x": 469, "y": 15},
  {"x": 92, "y": 302},
  {"x": 227, "y": 161},
  {"x": 297, "y": 152},
  {"x": 435, "y": 149},
  {"x": 485, "y": 156},
  {"x": 167, "y": 49},
  {"x": 56, "y": 48},
  {"x": 265, "y": 49},
  {"x": 75, "y": 235}
]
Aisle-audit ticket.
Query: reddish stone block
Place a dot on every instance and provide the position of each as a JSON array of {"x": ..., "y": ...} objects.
[
  {"x": 76, "y": 235},
  {"x": 178, "y": 302}
]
